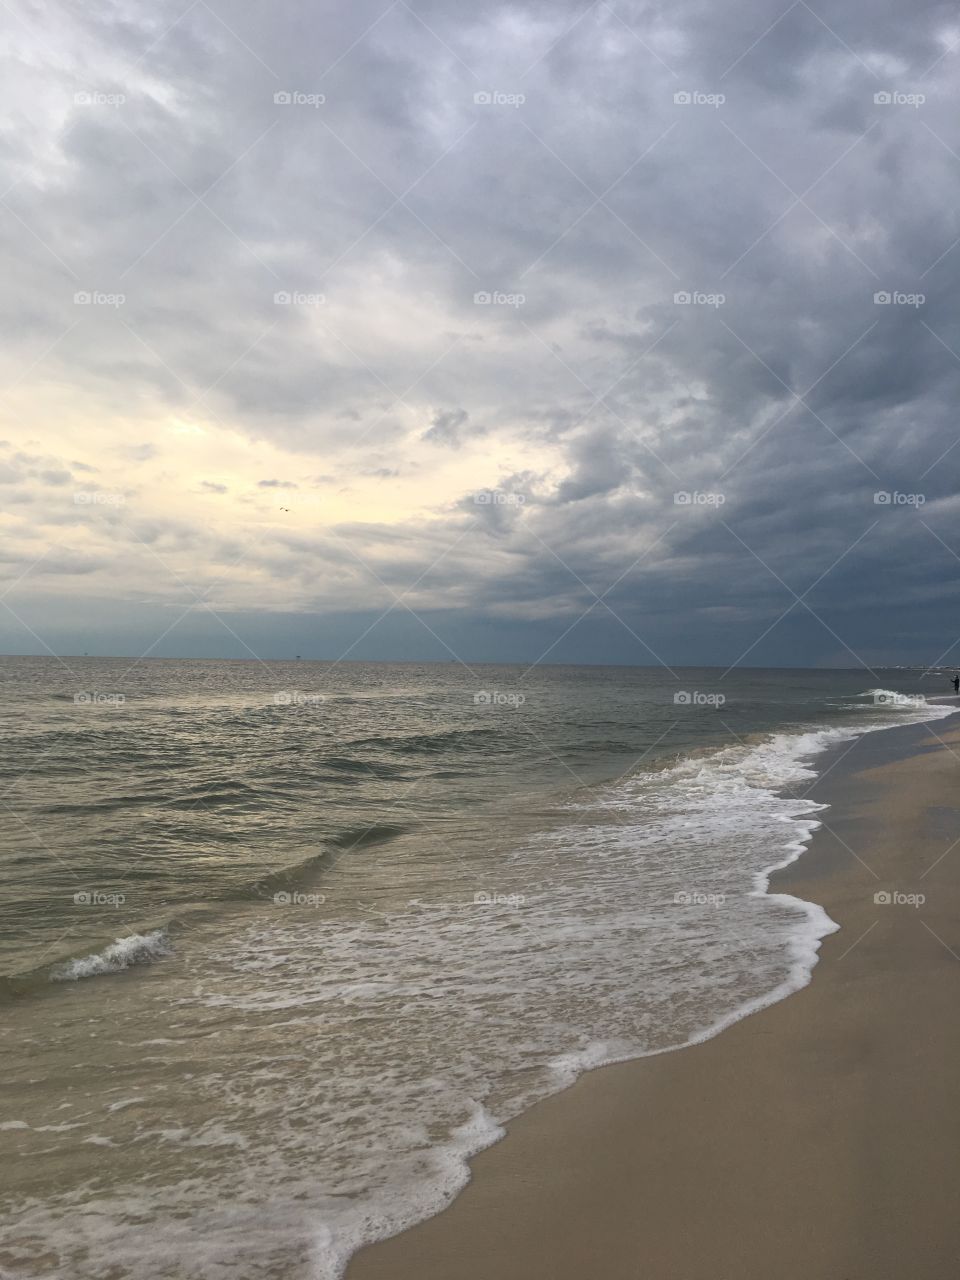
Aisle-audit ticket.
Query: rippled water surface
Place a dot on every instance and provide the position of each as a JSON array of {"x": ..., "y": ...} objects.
[{"x": 283, "y": 943}]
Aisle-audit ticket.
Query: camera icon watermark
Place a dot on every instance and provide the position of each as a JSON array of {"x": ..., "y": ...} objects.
[
  {"x": 497, "y": 98},
  {"x": 98, "y": 498},
  {"x": 88, "y": 699},
  {"x": 98, "y": 898},
  {"x": 887, "y": 498},
  {"x": 494, "y": 698},
  {"x": 295, "y": 98},
  {"x": 894, "y": 898},
  {"x": 296, "y": 899},
  {"x": 695, "y": 698},
  {"x": 696, "y": 98},
  {"x": 907, "y": 700},
  {"x": 94, "y": 298},
  {"x": 895, "y": 98},
  {"x": 95, "y": 98},
  {"x": 497, "y": 298},
  {"x": 294, "y": 698},
  {"x": 294, "y": 298},
  {"x": 895, "y": 298},
  {"x": 511, "y": 900},
  {"x": 684, "y": 498},
  {"x": 498, "y": 498},
  {"x": 686, "y": 298},
  {"x": 695, "y": 898}
]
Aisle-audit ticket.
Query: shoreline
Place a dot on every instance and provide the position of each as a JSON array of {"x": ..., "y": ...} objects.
[{"x": 689, "y": 1162}]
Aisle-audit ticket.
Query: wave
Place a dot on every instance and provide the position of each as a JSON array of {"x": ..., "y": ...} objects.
[
  {"x": 352, "y": 765},
  {"x": 376, "y": 833},
  {"x": 299, "y": 873},
  {"x": 155, "y": 942},
  {"x": 726, "y": 800},
  {"x": 434, "y": 743},
  {"x": 135, "y": 948},
  {"x": 641, "y": 975},
  {"x": 891, "y": 700},
  {"x": 732, "y": 791}
]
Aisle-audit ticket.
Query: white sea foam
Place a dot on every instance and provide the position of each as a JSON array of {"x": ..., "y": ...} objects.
[
  {"x": 915, "y": 703},
  {"x": 135, "y": 948},
  {"x": 402, "y": 1039},
  {"x": 725, "y": 792}
]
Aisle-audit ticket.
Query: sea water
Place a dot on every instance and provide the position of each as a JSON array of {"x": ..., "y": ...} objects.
[{"x": 285, "y": 943}]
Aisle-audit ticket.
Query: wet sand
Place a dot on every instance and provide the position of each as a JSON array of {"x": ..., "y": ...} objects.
[{"x": 816, "y": 1140}]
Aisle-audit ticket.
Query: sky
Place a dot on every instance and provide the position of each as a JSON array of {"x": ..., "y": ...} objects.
[{"x": 604, "y": 332}]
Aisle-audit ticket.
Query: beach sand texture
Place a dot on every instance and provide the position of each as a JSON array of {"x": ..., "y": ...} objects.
[{"x": 816, "y": 1140}]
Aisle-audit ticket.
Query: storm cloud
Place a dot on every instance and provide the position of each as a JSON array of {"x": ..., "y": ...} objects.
[{"x": 596, "y": 332}]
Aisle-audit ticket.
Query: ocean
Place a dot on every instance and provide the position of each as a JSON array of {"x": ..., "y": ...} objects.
[{"x": 283, "y": 944}]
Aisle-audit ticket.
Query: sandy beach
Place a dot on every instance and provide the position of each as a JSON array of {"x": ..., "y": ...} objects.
[{"x": 817, "y": 1139}]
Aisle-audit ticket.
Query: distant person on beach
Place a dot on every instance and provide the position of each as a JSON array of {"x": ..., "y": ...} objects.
[{"x": 956, "y": 684}]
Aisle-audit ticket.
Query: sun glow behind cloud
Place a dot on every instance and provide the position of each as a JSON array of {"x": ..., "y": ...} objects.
[{"x": 400, "y": 314}]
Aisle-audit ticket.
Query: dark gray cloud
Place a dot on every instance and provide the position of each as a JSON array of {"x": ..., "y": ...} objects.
[
  {"x": 673, "y": 260},
  {"x": 448, "y": 427}
]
